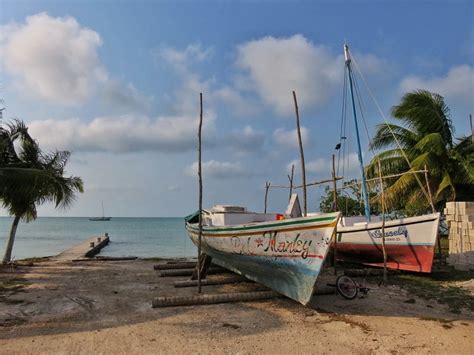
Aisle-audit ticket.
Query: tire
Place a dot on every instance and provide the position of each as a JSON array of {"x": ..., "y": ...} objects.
[{"x": 346, "y": 287}]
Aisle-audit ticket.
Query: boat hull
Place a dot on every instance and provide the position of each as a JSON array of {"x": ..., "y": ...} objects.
[
  {"x": 285, "y": 256},
  {"x": 409, "y": 243}
]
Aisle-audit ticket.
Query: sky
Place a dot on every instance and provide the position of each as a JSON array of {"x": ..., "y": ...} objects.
[{"x": 117, "y": 83}]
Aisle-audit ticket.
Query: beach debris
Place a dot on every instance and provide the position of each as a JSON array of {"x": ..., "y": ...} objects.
[
  {"x": 189, "y": 272},
  {"x": 212, "y": 298},
  {"x": 170, "y": 266},
  {"x": 222, "y": 280}
]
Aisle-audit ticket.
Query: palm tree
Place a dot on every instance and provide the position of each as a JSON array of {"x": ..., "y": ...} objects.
[
  {"x": 29, "y": 177},
  {"x": 426, "y": 137}
]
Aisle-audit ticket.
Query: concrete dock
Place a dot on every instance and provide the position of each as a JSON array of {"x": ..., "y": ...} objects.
[{"x": 86, "y": 249}]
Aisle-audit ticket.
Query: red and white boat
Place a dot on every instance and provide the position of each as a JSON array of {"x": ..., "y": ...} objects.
[{"x": 409, "y": 242}]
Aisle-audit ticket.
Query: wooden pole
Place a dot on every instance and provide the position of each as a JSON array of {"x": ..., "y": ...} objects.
[
  {"x": 290, "y": 178},
  {"x": 472, "y": 128},
  {"x": 300, "y": 142},
  {"x": 200, "y": 195},
  {"x": 433, "y": 210},
  {"x": 267, "y": 186},
  {"x": 334, "y": 183},
  {"x": 334, "y": 204},
  {"x": 383, "y": 223}
]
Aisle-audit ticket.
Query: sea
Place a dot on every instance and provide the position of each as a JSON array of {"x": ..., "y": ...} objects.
[{"x": 142, "y": 237}]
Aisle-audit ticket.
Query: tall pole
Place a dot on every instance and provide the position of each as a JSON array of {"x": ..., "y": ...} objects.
[
  {"x": 334, "y": 183},
  {"x": 365, "y": 194},
  {"x": 200, "y": 195},
  {"x": 472, "y": 129},
  {"x": 303, "y": 170},
  {"x": 290, "y": 178},
  {"x": 334, "y": 205},
  {"x": 267, "y": 186},
  {"x": 383, "y": 222}
]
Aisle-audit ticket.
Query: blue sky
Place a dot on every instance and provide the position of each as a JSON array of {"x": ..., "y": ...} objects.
[{"x": 118, "y": 82}]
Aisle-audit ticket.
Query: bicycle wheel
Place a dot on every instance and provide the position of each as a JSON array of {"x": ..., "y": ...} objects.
[{"x": 346, "y": 287}]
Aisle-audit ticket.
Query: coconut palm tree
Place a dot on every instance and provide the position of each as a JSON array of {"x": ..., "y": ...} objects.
[
  {"x": 426, "y": 136},
  {"x": 30, "y": 177}
]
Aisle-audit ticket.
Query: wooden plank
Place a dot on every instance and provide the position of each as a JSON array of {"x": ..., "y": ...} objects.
[
  {"x": 189, "y": 272},
  {"x": 212, "y": 298},
  {"x": 223, "y": 280}
]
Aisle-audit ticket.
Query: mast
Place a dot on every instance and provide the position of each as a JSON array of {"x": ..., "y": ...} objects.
[
  {"x": 103, "y": 215},
  {"x": 365, "y": 194}
]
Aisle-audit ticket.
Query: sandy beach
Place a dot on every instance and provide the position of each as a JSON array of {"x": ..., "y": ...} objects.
[{"x": 102, "y": 307}]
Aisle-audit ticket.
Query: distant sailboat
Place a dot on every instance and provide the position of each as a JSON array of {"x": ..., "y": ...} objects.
[{"x": 103, "y": 218}]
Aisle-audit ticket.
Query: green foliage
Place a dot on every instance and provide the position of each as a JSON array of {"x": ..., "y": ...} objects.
[
  {"x": 31, "y": 177},
  {"x": 426, "y": 136},
  {"x": 349, "y": 200}
]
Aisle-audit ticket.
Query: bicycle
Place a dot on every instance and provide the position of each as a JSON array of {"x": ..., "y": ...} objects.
[{"x": 348, "y": 288}]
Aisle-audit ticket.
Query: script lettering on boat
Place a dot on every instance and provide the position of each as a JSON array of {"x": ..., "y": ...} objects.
[
  {"x": 392, "y": 234},
  {"x": 239, "y": 246},
  {"x": 272, "y": 244}
]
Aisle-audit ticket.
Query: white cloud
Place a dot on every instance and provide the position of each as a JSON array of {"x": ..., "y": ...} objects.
[
  {"x": 290, "y": 138},
  {"x": 276, "y": 66},
  {"x": 457, "y": 83},
  {"x": 122, "y": 134},
  {"x": 218, "y": 169},
  {"x": 53, "y": 58}
]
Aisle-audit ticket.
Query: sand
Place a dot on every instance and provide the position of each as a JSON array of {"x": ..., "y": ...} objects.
[{"x": 105, "y": 307}]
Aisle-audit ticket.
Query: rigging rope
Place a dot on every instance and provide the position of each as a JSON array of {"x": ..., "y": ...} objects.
[{"x": 390, "y": 128}]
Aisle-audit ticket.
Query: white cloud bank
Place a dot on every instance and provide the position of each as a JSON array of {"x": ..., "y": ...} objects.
[
  {"x": 56, "y": 59},
  {"x": 457, "y": 83},
  {"x": 274, "y": 67},
  {"x": 121, "y": 134},
  {"x": 53, "y": 57}
]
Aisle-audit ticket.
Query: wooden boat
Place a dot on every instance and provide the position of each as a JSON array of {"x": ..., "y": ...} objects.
[
  {"x": 285, "y": 255},
  {"x": 103, "y": 218},
  {"x": 409, "y": 242}
]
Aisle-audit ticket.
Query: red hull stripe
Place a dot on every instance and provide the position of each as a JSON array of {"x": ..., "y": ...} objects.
[{"x": 399, "y": 257}]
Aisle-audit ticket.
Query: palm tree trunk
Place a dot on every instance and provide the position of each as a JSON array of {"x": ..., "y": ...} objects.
[{"x": 8, "y": 250}]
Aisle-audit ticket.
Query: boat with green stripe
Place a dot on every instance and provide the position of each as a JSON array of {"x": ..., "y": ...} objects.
[{"x": 283, "y": 253}]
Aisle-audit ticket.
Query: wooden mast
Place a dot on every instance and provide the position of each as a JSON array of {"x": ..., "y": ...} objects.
[{"x": 303, "y": 171}]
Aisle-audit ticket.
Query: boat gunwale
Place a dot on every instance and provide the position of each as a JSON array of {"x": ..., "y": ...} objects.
[
  {"x": 332, "y": 218},
  {"x": 390, "y": 224}
]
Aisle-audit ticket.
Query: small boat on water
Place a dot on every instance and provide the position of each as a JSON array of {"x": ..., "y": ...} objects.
[
  {"x": 282, "y": 252},
  {"x": 103, "y": 218},
  {"x": 409, "y": 242}
]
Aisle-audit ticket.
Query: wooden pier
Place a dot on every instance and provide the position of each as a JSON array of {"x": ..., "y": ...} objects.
[{"x": 86, "y": 249}]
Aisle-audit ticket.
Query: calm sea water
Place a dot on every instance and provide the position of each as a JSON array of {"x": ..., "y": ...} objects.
[{"x": 143, "y": 237}]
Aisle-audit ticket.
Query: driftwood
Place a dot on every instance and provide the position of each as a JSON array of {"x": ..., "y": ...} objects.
[
  {"x": 183, "y": 265},
  {"x": 189, "y": 272},
  {"x": 212, "y": 299},
  {"x": 222, "y": 280}
]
